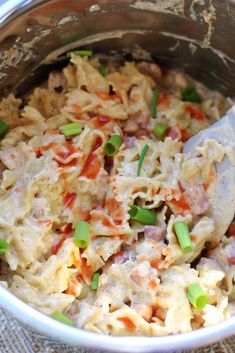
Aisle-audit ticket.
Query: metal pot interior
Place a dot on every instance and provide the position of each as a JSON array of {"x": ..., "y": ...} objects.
[{"x": 190, "y": 35}]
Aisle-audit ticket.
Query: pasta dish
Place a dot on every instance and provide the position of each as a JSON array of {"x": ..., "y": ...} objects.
[{"x": 105, "y": 223}]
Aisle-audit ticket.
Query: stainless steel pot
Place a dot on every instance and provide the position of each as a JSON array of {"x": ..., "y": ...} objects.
[{"x": 196, "y": 36}]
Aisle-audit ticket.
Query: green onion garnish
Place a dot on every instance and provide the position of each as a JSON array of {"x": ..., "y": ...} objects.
[
  {"x": 154, "y": 103},
  {"x": 190, "y": 94},
  {"x": 142, "y": 215},
  {"x": 182, "y": 232},
  {"x": 142, "y": 156},
  {"x": 82, "y": 234},
  {"x": 62, "y": 318},
  {"x": 72, "y": 129},
  {"x": 3, "y": 128},
  {"x": 102, "y": 70},
  {"x": 112, "y": 145},
  {"x": 80, "y": 53},
  {"x": 160, "y": 130},
  {"x": 95, "y": 281},
  {"x": 196, "y": 296},
  {"x": 4, "y": 246}
]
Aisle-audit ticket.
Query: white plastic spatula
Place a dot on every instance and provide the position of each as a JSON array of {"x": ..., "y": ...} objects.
[{"x": 222, "y": 193}]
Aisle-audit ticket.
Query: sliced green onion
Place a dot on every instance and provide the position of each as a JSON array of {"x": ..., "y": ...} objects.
[
  {"x": 4, "y": 128},
  {"x": 160, "y": 130},
  {"x": 196, "y": 296},
  {"x": 80, "y": 53},
  {"x": 154, "y": 103},
  {"x": 95, "y": 281},
  {"x": 82, "y": 234},
  {"x": 190, "y": 94},
  {"x": 102, "y": 70},
  {"x": 62, "y": 318},
  {"x": 72, "y": 129},
  {"x": 4, "y": 246},
  {"x": 142, "y": 156},
  {"x": 112, "y": 145},
  {"x": 142, "y": 215},
  {"x": 182, "y": 232}
]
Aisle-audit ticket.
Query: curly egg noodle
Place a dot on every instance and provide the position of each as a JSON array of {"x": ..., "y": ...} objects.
[{"x": 49, "y": 182}]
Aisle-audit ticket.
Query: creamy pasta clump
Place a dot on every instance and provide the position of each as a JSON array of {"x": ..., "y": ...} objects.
[{"x": 128, "y": 275}]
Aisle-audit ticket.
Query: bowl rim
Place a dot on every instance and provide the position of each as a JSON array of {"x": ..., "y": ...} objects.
[{"x": 129, "y": 344}]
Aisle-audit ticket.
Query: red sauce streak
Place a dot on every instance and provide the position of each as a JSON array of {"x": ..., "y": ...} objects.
[
  {"x": 117, "y": 95},
  {"x": 164, "y": 100},
  {"x": 106, "y": 222},
  {"x": 85, "y": 215},
  {"x": 104, "y": 96},
  {"x": 155, "y": 262},
  {"x": 185, "y": 135},
  {"x": 87, "y": 271},
  {"x": 181, "y": 204},
  {"x": 39, "y": 150},
  {"x": 65, "y": 153},
  {"x": 231, "y": 230},
  {"x": 72, "y": 285},
  {"x": 69, "y": 199},
  {"x": 129, "y": 324},
  {"x": 76, "y": 108},
  {"x": 66, "y": 231},
  {"x": 91, "y": 167},
  {"x": 195, "y": 112},
  {"x": 97, "y": 143},
  {"x": 57, "y": 245},
  {"x": 182, "y": 189}
]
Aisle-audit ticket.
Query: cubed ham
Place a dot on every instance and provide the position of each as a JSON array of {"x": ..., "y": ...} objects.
[
  {"x": 174, "y": 133},
  {"x": 130, "y": 141},
  {"x": 154, "y": 233},
  {"x": 197, "y": 199},
  {"x": 121, "y": 257}
]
